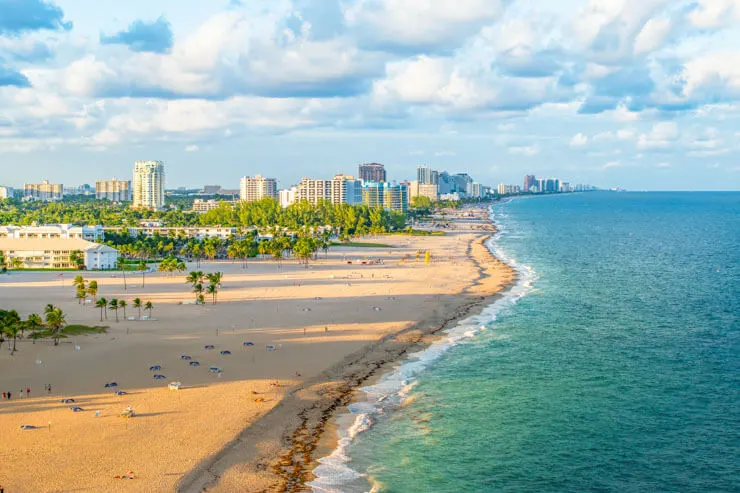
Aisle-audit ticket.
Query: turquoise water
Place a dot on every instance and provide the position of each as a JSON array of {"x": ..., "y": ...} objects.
[{"x": 614, "y": 365}]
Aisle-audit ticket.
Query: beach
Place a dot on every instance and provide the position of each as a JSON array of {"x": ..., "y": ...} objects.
[{"x": 256, "y": 425}]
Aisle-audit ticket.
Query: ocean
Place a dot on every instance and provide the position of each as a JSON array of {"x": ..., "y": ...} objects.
[{"x": 613, "y": 365}]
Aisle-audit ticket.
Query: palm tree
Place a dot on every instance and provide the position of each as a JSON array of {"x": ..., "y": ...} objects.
[
  {"x": 212, "y": 289},
  {"x": 122, "y": 266},
  {"x": 10, "y": 325},
  {"x": 137, "y": 304},
  {"x": 123, "y": 304},
  {"x": 81, "y": 294},
  {"x": 12, "y": 331},
  {"x": 113, "y": 305},
  {"x": 198, "y": 290},
  {"x": 55, "y": 321},
  {"x": 92, "y": 290},
  {"x": 196, "y": 278},
  {"x": 143, "y": 268},
  {"x": 32, "y": 324},
  {"x": 149, "y": 306},
  {"x": 79, "y": 281},
  {"x": 102, "y": 303}
]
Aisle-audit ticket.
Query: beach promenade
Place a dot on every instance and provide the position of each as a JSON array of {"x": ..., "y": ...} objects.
[{"x": 314, "y": 334}]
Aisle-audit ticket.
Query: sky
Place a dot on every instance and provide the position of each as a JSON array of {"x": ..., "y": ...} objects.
[{"x": 642, "y": 94}]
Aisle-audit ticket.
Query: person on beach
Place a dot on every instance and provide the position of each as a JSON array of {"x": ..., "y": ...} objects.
[
  {"x": 4, "y": 395},
  {"x": 28, "y": 391},
  {"x": 49, "y": 388},
  {"x": 9, "y": 395}
]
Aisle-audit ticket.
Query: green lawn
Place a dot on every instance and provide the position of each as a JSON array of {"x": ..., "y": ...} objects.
[
  {"x": 357, "y": 244},
  {"x": 74, "y": 330}
]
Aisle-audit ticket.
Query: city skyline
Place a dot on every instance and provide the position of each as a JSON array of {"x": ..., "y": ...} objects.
[{"x": 641, "y": 95}]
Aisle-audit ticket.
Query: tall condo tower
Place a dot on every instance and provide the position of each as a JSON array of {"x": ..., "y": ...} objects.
[
  {"x": 372, "y": 172},
  {"x": 149, "y": 185}
]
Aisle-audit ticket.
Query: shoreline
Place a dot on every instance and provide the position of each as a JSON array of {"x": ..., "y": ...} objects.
[{"x": 304, "y": 421}]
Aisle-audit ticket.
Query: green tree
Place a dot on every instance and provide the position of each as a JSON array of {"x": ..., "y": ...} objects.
[
  {"x": 33, "y": 324},
  {"x": 55, "y": 322},
  {"x": 143, "y": 268},
  {"x": 92, "y": 290},
  {"x": 122, "y": 267},
  {"x": 122, "y": 304},
  {"x": 137, "y": 305},
  {"x": 77, "y": 258},
  {"x": 81, "y": 294},
  {"x": 102, "y": 303},
  {"x": 79, "y": 282},
  {"x": 113, "y": 306},
  {"x": 10, "y": 325},
  {"x": 3, "y": 263},
  {"x": 149, "y": 307}
]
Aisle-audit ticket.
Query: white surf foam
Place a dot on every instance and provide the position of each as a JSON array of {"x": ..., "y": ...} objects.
[{"x": 334, "y": 475}]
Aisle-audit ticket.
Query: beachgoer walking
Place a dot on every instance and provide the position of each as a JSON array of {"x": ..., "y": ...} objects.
[
  {"x": 50, "y": 388},
  {"x": 9, "y": 394},
  {"x": 28, "y": 391},
  {"x": 326, "y": 329},
  {"x": 4, "y": 395}
]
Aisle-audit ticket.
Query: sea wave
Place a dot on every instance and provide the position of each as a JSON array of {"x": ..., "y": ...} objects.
[{"x": 393, "y": 390}]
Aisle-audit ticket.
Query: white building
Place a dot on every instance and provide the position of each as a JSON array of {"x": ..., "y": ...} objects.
[
  {"x": 202, "y": 206},
  {"x": 475, "y": 190},
  {"x": 508, "y": 189},
  {"x": 43, "y": 191},
  {"x": 419, "y": 189},
  {"x": 314, "y": 191},
  {"x": 339, "y": 190},
  {"x": 56, "y": 253},
  {"x": 113, "y": 190},
  {"x": 53, "y": 231},
  {"x": 183, "y": 232},
  {"x": 148, "y": 192},
  {"x": 288, "y": 197},
  {"x": 6, "y": 193},
  {"x": 257, "y": 188},
  {"x": 345, "y": 190}
]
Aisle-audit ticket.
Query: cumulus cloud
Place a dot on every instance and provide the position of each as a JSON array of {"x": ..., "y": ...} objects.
[
  {"x": 20, "y": 16},
  {"x": 579, "y": 140},
  {"x": 191, "y": 148},
  {"x": 662, "y": 136},
  {"x": 611, "y": 164},
  {"x": 155, "y": 37},
  {"x": 420, "y": 26},
  {"x": 708, "y": 14},
  {"x": 10, "y": 77}
]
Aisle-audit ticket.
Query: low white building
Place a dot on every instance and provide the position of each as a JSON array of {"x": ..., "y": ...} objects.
[
  {"x": 6, "y": 193},
  {"x": 48, "y": 253},
  {"x": 53, "y": 231}
]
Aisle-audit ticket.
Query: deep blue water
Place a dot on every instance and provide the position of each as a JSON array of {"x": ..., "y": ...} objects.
[{"x": 613, "y": 367}]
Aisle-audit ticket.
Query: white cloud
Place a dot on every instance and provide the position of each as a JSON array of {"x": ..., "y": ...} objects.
[
  {"x": 420, "y": 25},
  {"x": 662, "y": 136},
  {"x": 713, "y": 74},
  {"x": 611, "y": 164},
  {"x": 191, "y": 148},
  {"x": 663, "y": 165},
  {"x": 579, "y": 140},
  {"x": 714, "y": 13},
  {"x": 527, "y": 151},
  {"x": 653, "y": 34}
]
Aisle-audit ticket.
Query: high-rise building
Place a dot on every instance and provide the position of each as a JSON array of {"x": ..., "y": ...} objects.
[
  {"x": 43, "y": 191},
  {"x": 389, "y": 196},
  {"x": 475, "y": 190},
  {"x": 288, "y": 197},
  {"x": 313, "y": 191},
  {"x": 346, "y": 190},
  {"x": 148, "y": 192},
  {"x": 113, "y": 190},
  {"x": 373, "y": 172},
  {"x": 529, "y": 182},
  {"x": 6, "y": 193},
  {"x": 258, "y": 188},
  {"x": 428, "y": 190}
]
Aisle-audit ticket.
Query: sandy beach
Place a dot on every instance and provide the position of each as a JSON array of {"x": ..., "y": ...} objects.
[{"x": 253, "y": 428}]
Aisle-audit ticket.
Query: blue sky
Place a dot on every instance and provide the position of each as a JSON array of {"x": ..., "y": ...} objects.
[{"x": 643, "y": 94}]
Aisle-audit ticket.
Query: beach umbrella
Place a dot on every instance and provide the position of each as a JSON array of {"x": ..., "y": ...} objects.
[
  {"x": 159, "y": 377},
  {"x": 209, "y": 347},
  {"x": 225, "y": 353},
  {"x": 185, "y": 357},
  {"x": 194, "y": 363},
  {"x": 76, "y": 409},
  {"x": 68, "y": 401},
  {"x": 214, "y": 369},
  {"x": 248, "y": 344},
  {"x": 155, "y": 368},
  {"x": 121, "y": 392}
]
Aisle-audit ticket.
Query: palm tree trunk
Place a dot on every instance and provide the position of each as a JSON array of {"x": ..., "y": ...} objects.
[
  {"x": 116, "y": 315},
  {"x": 101, "y": 314}
]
